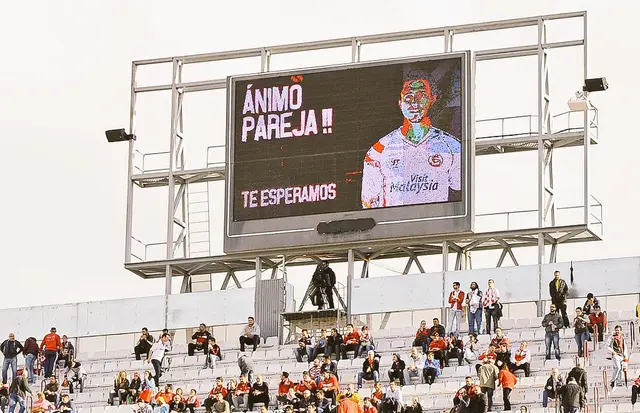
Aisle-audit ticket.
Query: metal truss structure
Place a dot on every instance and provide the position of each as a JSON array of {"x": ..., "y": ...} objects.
[{"x": 543, "y": 136}]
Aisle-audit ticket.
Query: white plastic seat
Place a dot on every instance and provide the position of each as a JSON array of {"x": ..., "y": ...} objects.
[
  {"x": 625, "y": 408},
  {"x": 111, "y": 409},
  {"x": 608, "y": 408},
  {"x": 437, "y": 387},
  {"x": 507, "y": 323},
  {"x": 97, "y": 409}
]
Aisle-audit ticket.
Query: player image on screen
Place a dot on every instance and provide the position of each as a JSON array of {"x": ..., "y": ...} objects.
[{"x": 416, "y": 163}]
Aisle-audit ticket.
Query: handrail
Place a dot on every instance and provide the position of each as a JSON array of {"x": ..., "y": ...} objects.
[
  {"x": 632, "y": 329},
  {"x": 605, "y": 380}
]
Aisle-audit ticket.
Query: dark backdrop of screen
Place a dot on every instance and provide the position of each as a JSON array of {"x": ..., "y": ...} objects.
[{"x": 365, "y": 108}]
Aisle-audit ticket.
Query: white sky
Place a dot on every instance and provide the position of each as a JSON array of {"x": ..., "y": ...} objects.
[{"x": 66, "y": 68}]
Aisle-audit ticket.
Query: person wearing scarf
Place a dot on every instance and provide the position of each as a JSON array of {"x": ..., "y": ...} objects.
[
  {"x": 490, "y": 304},
  {"x": 619, "y": 354}
]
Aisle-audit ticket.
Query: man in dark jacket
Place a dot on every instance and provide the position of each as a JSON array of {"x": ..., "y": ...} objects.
[
  {"x": 18, "y": 393},
  {"x": 144, "y": 343},
  {"x": 580, "y": 376},
  {"x": 333, "y": 343},
  {"x": 10, "y": 349},
  {"x": 559, "y": 291},
  {"x": 552, "y": 323},
  {"x": 201, "y": 338},
  {"x": 370, "y": 369},
  {"x": 573, "y": 399},
  {"x": 30, "y": 351}
]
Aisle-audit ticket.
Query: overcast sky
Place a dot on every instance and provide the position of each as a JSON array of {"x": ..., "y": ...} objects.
[{"x": 66, "y": 69}]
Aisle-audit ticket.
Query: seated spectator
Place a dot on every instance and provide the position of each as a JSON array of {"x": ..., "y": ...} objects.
[
  {"x": 503, "y": 355},
  {"x": 67, "y": 351},
  {"x": 488, "y": 356},
  {"x": 232, "y": 385},
  {"x": 221, "y": 405},
  {"x": 178, "y": 402},
  {"x": 507, "y": 381},
  {"x": 306, "y": 345},
  {"x": 416, "y": 361},
  {"x": 455, "y": 349},
  {"x": 351, "y": 393},
  {"x": 351, "y": 342},
  {"x": 396, "y": 372},
  {"x": 290, "y": 399},
  {"x": 75, "y": 374},
  {"x": 284, "y": 386},
  {"x": 134, "y": 388},
  {"x": 65, "y": 404},
  {"x": 41, "y": 405},
  {"x": 162, "y": 405},
  {"x": 245, "y": 364},
  {"x": 211, "y": 399},
  {"x": 148, "y": 387},
  {"x": 120, "y": 388},
  {"x": 422, "y": 336},
  {"x": 323, "y": 404},
  {"x": 554, "y": 383},
  {"x": 392, "y": 401},
  {"x": 370, "y": 369},
  {"x": 321, "y": 346},
  {"x": 488, "y": 375},
  {"x": 436, "y": 328},
  {"x": 167, "y": 394},
  {"x": 333, "y": 344},
  {"x": 259, "y": 393},
  {"x": 250, "y": 335},
  {"x": 328, "y": 365},
  {"x": 431, "y": 369},
  {"x": 635, "y": 388},
  {"x": 330, "y": 386},
  {"x": 241, "y": 395},
  {"x": 144, "y": 344},
  {"x": 471, "y": 348},
  {"x": 521, "y": 359},
  {"x": 590, "y": 304},
  {"x": 51, "y": 390},
  {"x": 366, "y": 342},
  {"x": 143, "y": 407},
  {"x": 580, "y": 331},
  {"x": 200, "y": 340},
  {"x": 377, "y": 394},
  {"x": 552, "y": 323},
  {"x": 438, "y": 347},
  {"x": 414, "y": 407},
  {"x": 597, "y": 321},
  {"x": 315, "y": 371},
  {"x": 192, "y": 402},
  {"x": 307, "y": 383},
  {"x": 465, "y": 390},
  {"x": 500, "y": 338},
  {"x": 306, "y": 401},
  {"x": 619, "y": 354},
  {"x": 368, "y": 407}
]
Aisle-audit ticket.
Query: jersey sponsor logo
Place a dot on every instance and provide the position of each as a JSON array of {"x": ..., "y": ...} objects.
[
  {"x": 417, "y": 183},
  {"x": 435, "y": 160}
]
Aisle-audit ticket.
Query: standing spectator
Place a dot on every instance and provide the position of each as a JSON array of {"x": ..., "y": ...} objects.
[
  {"x": 508, "y": 381},
  {"x": 455, "y": 349},
  {"x": 573, "y": 398},
  {"x": 305, "y": 346},
  {"x": 559, "y": 291},
  {"x": 30, "y": 351},
  {"x": 491, "y": 305},
  {"x": 329, "y": 283},
  {"x": 617, "y": 347},
  {"x": 521, "y": 359},
  {"x": 201, "y": 340},
  {"x": 370, "y": 369},
  {"x": 144, "y": 344},
  {"x": 396, "y": 372},
  {"x": 366, "y": 341},
  {"x": 351, "y": 342},
  {"x": 393, "y": 401},
  {"x": 416, "y": 362},
  {"x": 456, "y": 302},
  {"x": 18, "y": 393},
  {"x": 488, "y": 375},
  {"x": 551, "y": 323},
  {"x": 51, "y": 345},
  {"x": 250, "y": 335},
  {"x": 580, "y": 376},
  {"x": 67, "y": 351},
  {"x": 10, "y": 349},
  {"x": 551, "y": 388},
  {"x": 322, "y": 343},
  {"x": 471, "y": 348},
  {"x": 635, "y": 388},
  {"x": 432, "y": 369},
  {"x": 580, "y": 331},
  {"x": 245, "y": 363},
  {"x": 422, "y": 336},
  {"x": 597, "y": 322},
  {"x": 590, "y": 304},
  {"x": 333, "y": 344},
  {"x": 156, "y": 353},
  {"x": 474, "y": 307}
]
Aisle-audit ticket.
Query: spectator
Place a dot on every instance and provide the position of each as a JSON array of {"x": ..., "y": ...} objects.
[
  {"x": 580, "y": 331},
  {"x": 30, "y": 351},
  {"x": 559, "y": 291},
  {"x": 212, "y": 353},
  {"x": 471, "y": 348},
  {"x": 120, "y": 388},
  {"x": 306, "y": 401},
  {"x": 241, "y": 395},
  {"x": 432, "y": 369},
  {"x": 503, "y": 355},
  {"x": 370, "y": 369},
  {"x": 465, "y": 390},
  {"x": 500, "y": 338},
  {"x": 211, "y": 399},
  {"x": 67, "y": 351},
  {"x": 438, "y": 347},
  {"x": 245, "y": 363},
  {"x": 521, "y": 359},
  {"x": 551, "y": 323},
  {"x": 333, "y": 343},
  {"x": 163, "y": 406},
  {"x": 143, "y": 407},
  {"x": 305, "y": 346},
  {"x": 321, "y": 346},
  {"x": 323, "y": 404},
  {"x": 351, "y": 342},
  {"x": 51, "y": 390},
  {"x": 352, "y": 394},
  {"x": 455, "y": 349},
  {"x": 250, "y": 335},
  {"x": 368, "y": 407},
  {"x": 75, "y": 374},
  {"x": 178, "y": 404},
  {"x": 307, "y": 383},
  {"x": 200, "y": 340},
  {"x": 396, "y": 372},
  {"x": 552, "y": 387},
  {"x": 330, "y": 385},
  {"x": 51, "y": 345},
  {"x": 377, "y": 395},
  {"x": 329, "y": 365},
  {"x": 366, "y": 341},
  {"x": 488, "y": 375},
  {"x": 393, "y": 401},
  {"x": 135, "y": 386},
  {"x": 422, "y": 336},
  {"x": 315, "y": 371},
  {"x": 347, "y": 405},
  {"x": 414, "y": 407},
  {"x": 18, "y": 392},
  {"x": 259, "y": 393},
  {"x": 192, "y": 402},
  {"x": 597, "y": 321},
  {"x": 456, "y": 302},
  {"x": 292, "y": 400},
  {"x": 492, "y": 308},
  {"x": 144, "y": 344},
  {"x": 590, "y": 304},
  {"x": 10, "y": 349},
  {"x": 474, "y": 307},
  {"x": 222, "y": 406},
  {"x": 156, "y": 354},
  {"x": 166, "y": 394},
  {"x": 416, "y": 361},
  {"x": 580, "y": 376},
  {"x": 169, "y": 343},
  {"x": 508, "y": 381},
  {"x": 41, "y": 405},
  {"x": 436, "y": 328},
  {"x": 572, "y": 396},
  {"x": 65, "y": 405},
  {"x": 635, "y": 388},
  {"x": 488, "y": 356},
  {"x": 617, "y": 347}
]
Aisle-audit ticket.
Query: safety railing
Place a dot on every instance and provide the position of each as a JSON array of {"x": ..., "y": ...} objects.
[
  {"x": 605, "y": 382},
  {"x": 632, "y": 335}
]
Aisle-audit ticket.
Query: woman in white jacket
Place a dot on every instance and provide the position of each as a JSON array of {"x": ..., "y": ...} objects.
[{"x": 471, "y": 348}]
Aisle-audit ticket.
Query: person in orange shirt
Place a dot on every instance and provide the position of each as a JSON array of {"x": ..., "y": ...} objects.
[
  {"x": 330, "y": 386},
  {"x": 284, "y": 386},
  {"x": 351, "y": 342},
  {"x": 508, "y": 381},
  {"x": 368, "y": 407},
  {"x": 438, "y": 347},
  {"x": 307, "y": 383},
  {"x": 241, "y": 395},
  {"x": 349, "y": 406},
  {"x": 51, "y": 344},
  {"x": 167, "y": 394}
]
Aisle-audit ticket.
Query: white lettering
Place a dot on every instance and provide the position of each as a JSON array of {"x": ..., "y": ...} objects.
[
  {"x": 248, "y": 123},
  {"x": 295, "y": 97},
  {"x": 285, "y": 126},
  {"x": 248, "y": 102},
  {"x": 280, "y": 100},
  {"x": 273, "y": 121},
  {"x": 253, "y": 199},
  {"x": 311, "y": 126},
  {"x": 261, "y": 130}
]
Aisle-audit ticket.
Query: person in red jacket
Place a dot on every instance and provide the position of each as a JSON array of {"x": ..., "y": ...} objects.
[
  {"x": 351, "y": 342},
  {"x": 284, "y": 386},
  {"x": 508, "y": 381},
  {"x": 597, "y": 320},
  {"x": 329, "y": 385},
  {"x": 51, "y": 345},
  {"x": 438, "y": 347},
  {"x": 456, "y": 300},
  {"x": 422, "y": 336},
  {"x": 635, "y": 389}
]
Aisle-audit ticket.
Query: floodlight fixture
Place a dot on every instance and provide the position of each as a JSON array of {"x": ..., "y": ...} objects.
[
  {"x": 119, "y": 135},
  {"x": 580, "y": 102},
  {"x": 598, "y": 84}
]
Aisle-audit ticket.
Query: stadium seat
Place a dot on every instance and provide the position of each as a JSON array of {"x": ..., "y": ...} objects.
[{"x": 625, "y": 408}]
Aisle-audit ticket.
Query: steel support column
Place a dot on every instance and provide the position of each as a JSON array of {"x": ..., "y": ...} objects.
[
  {"x": 350, "y": 272},
  {"x": 130, "y": 183}
]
